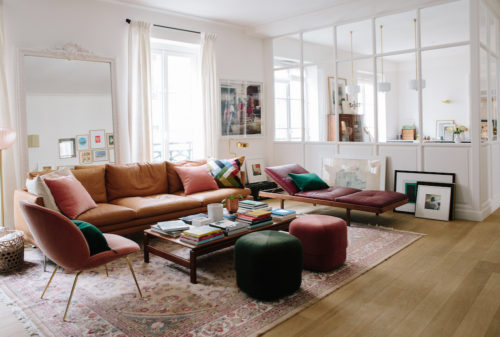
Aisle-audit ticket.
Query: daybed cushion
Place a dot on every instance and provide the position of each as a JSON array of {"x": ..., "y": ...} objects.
[
  {"x": 93, "y": 179},
  {"x": 209, "y": 197},
  {"x": 174, "y": 182},
  {"x": 330, "y": 193},
  {"x": 157, "y": 204},
  {"x": 308, "y": 181},
  {"x": 280, "y": 175},
  {"x": 196, "y": 179},
  {"x": 107, "y": 214},
  {"x": 137, "y": 179},
  {"x": 372, "y": 198}
]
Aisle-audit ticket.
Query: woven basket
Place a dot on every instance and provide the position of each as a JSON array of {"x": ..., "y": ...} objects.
[{"x": 11, "y": 250}]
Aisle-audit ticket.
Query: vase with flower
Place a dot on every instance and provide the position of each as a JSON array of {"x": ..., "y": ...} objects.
[{"x": 459, "y": 133}]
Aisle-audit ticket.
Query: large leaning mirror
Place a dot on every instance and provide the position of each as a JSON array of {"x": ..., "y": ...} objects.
[{"x": 68, "y": 98}]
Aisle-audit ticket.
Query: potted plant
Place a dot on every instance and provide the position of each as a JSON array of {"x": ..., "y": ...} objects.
[
  {"x": 458, "y": 133},
  {"x": 232, "y": 203}
]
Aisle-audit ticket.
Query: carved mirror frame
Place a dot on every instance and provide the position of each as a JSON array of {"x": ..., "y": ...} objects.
[{"x": 68, "y": 51}]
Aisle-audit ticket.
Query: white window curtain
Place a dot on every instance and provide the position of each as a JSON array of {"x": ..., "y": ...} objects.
[
  {"x": 210, "y": 93},
  {"x": 139, "y": 91}
]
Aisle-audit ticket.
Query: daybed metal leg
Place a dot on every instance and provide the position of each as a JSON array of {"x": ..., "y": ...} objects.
[{"x": 348, "y": 216}]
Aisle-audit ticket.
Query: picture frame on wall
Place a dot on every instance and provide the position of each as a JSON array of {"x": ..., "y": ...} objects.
[
  {"x": 100, "y": 155},
  {"x": 97, "y": 140},
  {"x": 406, "y": 182},
  {"x": 67, "y": 148},
  {"x": 255, "y": 170},
  {"x": 435, "y": 201},
  {"x": 110, "y": 140},
  {"x": 341, "y": 92},
  {"x": 82, "y": 142},
  {"x": 445, "y": 128},
  {"x": 241, "y": 108},
  {"x": 85, "y": 157}
]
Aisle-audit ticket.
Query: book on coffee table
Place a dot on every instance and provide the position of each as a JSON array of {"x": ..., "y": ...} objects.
[
  {"x": 189, "y": 219},
  {"x": 171, "y": 226}
]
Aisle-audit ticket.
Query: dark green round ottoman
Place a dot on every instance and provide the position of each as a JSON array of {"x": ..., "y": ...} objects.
[{"x": 268, "y": 264}]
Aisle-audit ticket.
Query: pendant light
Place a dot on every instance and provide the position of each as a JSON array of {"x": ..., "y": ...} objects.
[
  {"x": 352, "y": 89},
  {"x": 382, "y": 86},
  {"x": 413, "y": 84}
]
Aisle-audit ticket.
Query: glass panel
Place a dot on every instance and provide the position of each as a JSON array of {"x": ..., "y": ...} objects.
[
  {"x": 483, "y": 105},
  {"x": 493, "y": 34},
  {"x": 445, "y": 96},
  {"x": 356, "y": 120},
  {"x": 397, "y": 32},
  {"x": 483, "y": 25},
  {"x": 287, "y": 104},
  {"x": 286, "y": 51},
  {"x": 397, "y": 101},
  {"x": 493, "y": 90},
  {"x": 318, "y": 66},
  {"x": 361, "y": 39},
  {"x": 445, "y": 23}
]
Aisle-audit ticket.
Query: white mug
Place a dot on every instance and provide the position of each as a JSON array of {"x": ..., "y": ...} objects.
[{"x": 215, "y": 212}]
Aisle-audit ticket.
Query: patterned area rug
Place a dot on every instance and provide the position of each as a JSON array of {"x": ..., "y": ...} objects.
[{"x": 172, "y": 306}]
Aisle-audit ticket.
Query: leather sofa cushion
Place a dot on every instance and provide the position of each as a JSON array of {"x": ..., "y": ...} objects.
[
  {"x": 157, "y": 204},
  {"x": 280, "y": 175},
  {"x": 93, "y": 179},
  {"x": 174, "y": 181},
  {"x": 84, "y": 167},
  {"x": 210, "y": 197},
  {"x": 330, "y": 193},
  {"x": 106, "y": 214},
  {"x": 137, "y": 179},
  {"x": 372, "y": 198}
]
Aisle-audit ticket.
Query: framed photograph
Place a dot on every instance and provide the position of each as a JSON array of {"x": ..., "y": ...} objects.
[
  {"x": 100, "y": 155},
  {"x": 365, "y": 173},
  {"x": 67, "y": 148},
  {"x": 341, "y": 93},
  {"x": 110, "y": 140},
  {"x": 406, "y": 182},
  {"x": 255, "y": 170},
  {"x": 85, "y": 157},
  {"x": 444, "y": 129},
  {"x": 97, "y": 140},
  {"x": 435, "y": 201},
  {"x": 82, "y": 142},
  {"x": 241, "y": 108}
]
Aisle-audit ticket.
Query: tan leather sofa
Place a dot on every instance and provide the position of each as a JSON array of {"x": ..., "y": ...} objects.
[{"x": 131, "y": 197}]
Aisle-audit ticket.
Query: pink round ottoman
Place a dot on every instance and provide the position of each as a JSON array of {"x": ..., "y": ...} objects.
[{"x": 324, "y": 241}]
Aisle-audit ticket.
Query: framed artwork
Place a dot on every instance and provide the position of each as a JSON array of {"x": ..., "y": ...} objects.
[
  {"x": 82, "y": 142},
  {"x": 67, "y": 148},
  {"x": 435, "y": 201},
  {"x": 100, "y": 155},
  {"x": 444, "y": 129},
  {"x": 406, "y": 182},
  {"x": 97, "y": 140},
  {"x": 85, "y": 157},
  {"x": 365, "y": 173},
  {"x": 241, "y": 108},
  {"x": 110, "y": 140},
  {"x": 255, "y": 170},
  {"x": 341, "y": 93}
]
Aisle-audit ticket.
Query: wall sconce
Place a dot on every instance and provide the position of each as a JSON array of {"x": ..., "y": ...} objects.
[
  {"x": 238, "y": 144},
  {"x": 33, "y": 141},
  {"x": 446, "y": 101}
]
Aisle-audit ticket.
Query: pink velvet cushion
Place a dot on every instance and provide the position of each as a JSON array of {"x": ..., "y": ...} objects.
[
  {"x": 330, "y": 193},
  {"x": 280, "y": 175},
  {"x": 196, "y": 179},
  {"x": 372, "y": 198},
  {"x": 70, "y": 196}
]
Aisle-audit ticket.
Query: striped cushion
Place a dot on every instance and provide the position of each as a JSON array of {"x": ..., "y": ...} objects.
[{"x": 226, "y": 172}]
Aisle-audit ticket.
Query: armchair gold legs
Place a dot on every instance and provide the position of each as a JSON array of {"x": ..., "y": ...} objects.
[{"x": 76, "y": 279}]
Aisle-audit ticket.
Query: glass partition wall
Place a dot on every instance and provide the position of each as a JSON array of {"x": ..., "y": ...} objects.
[{"x": 400, "y": 78}]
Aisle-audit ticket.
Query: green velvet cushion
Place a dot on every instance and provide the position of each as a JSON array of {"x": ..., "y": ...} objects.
[
  {"x": 308, "y": 181},
  {"x": 95, "y": 239}
]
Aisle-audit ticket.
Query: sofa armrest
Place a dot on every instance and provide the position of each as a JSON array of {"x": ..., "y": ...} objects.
[
  {"x": 243, "y": 176},
  {"x": 19, "y": 221}
]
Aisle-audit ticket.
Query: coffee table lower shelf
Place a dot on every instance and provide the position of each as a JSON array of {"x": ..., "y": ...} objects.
[{"x": 195, "y": 251}]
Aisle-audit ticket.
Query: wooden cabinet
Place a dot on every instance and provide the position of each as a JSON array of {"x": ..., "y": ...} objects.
[{"x": 351, "y": 128}]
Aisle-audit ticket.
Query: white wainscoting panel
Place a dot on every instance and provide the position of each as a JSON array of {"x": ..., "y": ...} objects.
[
  {"x": 287, "y": 153},
  {"x": 495, "y": 172},
  {"x": 357, "y": 149},
  {"x": 314, "y": 156},
  {"x": 484, "y": 178},
  {"x": 398, "y": 158}
]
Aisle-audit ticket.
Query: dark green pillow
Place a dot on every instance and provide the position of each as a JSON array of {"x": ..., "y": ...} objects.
[
  {"x": 308, "y": 181},
  {"x": 95, "y": 239}
]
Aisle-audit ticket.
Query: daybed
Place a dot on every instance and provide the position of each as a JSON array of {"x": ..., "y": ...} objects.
[
  {"x": 131, "y": 197},
  {"x": 343, "y": 197}
]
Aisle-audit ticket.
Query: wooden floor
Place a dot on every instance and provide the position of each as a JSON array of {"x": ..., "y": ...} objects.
[{"x": 445, "y": 284}]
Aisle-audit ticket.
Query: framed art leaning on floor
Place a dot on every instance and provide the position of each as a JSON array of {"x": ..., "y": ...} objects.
[{"x": 435, "y": 201}]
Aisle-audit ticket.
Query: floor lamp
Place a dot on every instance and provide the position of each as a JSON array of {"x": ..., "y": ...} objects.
[{"x": 7, "y": 138}]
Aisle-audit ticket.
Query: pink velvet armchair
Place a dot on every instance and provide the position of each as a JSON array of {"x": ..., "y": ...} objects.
[{"x": 62, "y": 242}]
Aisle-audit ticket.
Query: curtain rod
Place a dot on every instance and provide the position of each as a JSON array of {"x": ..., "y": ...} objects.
[{"x": 183, "y": 30}]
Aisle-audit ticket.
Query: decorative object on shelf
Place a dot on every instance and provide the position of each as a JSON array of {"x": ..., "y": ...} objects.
[
  {"x": 11, "y": 250},
  {"x": 255, "y": 170},
  {"x": 352, "y": 89},
  {"x": 408, "y": 133},
  {"x": 350, "y": 128},
  {"x": 382, "y": 86},
  {"x": 459, "y": 133},
  {"x": 443, "y": 129},
  {"x": 67, "y": 148},
  {"x": 413, "y": 84},
  {"x": 241, "y": 108},
  {"x": 366, "y": 173},
  {"x": 435, "y": 200},
  {"x": 340, "y": 85},
  {"x": 7, "y": 138},
  {"x": 232, "y": 203},
  {"x": 406, "y": 182}
]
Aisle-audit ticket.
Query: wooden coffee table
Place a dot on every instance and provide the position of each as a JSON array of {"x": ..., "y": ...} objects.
[{"x": 195, "y": 251}]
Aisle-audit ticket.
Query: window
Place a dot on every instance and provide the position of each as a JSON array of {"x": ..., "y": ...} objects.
[
  {"x": 287, "y": 105},
  {"x": 177, "y": 120}
]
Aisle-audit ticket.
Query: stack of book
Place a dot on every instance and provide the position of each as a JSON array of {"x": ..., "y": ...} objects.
[
  {"x": 230, "y": 227},
  {"x": 257, "y": 218},
  {"x": 201, "y": 235},
  {"x": 246, "y": 206},
  {"x": 281, "y": 214},
  {"x": 171, "y": 228}
]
